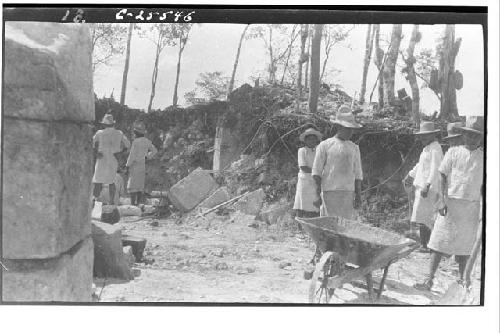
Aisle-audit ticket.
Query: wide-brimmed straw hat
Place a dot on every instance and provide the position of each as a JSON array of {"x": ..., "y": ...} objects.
[
  {"x": 345, "y": 118},
  {"x": 310, "y": 131},
  {"x": 474, "y": 124},
  {"x": 453, "y": 130},
  {"x": 108, "y": 119},
  {"x": 140, "y": 128},
  {"x": 427, "y": 127}
]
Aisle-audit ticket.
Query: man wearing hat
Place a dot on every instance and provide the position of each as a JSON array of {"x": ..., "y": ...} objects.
[
  {"x": 107, "y": 142},
  {"x": 454, "y": 137},
  {"x": 426, "y": 181},
  {"x": 337, "y": 169},
  {"x": 305, "y": 195},
  {"x": 462, "y": 186},
  {"x": 142, "y": 148}
]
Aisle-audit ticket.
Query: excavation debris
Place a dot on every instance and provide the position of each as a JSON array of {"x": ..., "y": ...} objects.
[
  {"x": 251, "y": 202},
  {"x": 110, "y": 214},
  {"x": 275, "y": 212},
  {"x": 129, "y": 255},
  {"x": 129, "y": 210},
  {"x": 138, "y": 245}
]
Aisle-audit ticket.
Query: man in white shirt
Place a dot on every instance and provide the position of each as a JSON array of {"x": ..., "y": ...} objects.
[
  {"x": 107, "y": 143},
  {"x": 462, "y": 186},
  {"x": 337, "y": 169},
  {"x": 426, "y": 181}
]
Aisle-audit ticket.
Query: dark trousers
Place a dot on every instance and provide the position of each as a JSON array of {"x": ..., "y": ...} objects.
[{"x": 425, "y": 235}]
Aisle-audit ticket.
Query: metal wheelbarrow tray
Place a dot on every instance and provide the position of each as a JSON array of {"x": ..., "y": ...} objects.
[{"x": 341, "y": 242}]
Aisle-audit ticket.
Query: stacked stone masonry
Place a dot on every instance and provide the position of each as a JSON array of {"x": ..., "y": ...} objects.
[{"x": 48, "y": 110}]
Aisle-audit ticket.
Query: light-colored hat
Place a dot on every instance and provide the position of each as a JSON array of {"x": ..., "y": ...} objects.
[
  {"x": 453, "y": 130},
  {"x": 108, "y": 119},
  {"x": 310, "y": 131},
  {"x": 474, "y": 124},
  {"x": 140, "y": 127},
  {"x": 426, "y": 127},
  {"x": 345, "y": 118}
]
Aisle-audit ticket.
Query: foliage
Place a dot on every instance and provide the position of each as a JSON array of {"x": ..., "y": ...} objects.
[
  {"x": 108, "y": 41},
  {"x": 333, "y": 34},
  {"x": 160, "y": 34},
  {"x": 278, "y": 40},
  {"x": 181, "y": 31},
  {"x": 209, "y": 86},
  {"x": 426, "y": 61}
]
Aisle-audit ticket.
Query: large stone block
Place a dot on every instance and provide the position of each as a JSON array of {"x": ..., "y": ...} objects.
[
  {"x": 48, "y": 71},
  {"x": 66, "y": 278},
  {"x": 190, "y": 191},
  {"x": 109, "y": 260},
  {"x": 47, "y": 174}
]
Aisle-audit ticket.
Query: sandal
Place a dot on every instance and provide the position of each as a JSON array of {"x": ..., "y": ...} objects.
[
  {"x": 424, "y": 250},
  {"x": 424, "y": 286}
]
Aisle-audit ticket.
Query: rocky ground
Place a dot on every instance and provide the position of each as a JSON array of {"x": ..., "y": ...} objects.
[{"x": 223, "y": 259}]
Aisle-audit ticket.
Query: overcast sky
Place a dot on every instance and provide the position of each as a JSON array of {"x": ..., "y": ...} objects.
[{"x": 212, "y": 47}]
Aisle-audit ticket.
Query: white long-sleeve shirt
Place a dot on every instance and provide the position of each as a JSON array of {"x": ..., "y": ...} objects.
[
  {"x": 338, "y": 163},
  {"x": 464, "y": 171},
  {"x": 426, "y": 170}
]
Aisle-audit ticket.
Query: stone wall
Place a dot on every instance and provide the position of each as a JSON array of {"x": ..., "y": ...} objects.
[{"x": 47, "y": 170}]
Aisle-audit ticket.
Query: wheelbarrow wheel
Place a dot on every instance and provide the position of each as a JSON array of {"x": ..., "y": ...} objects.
[{"x": 330, "y": 265}]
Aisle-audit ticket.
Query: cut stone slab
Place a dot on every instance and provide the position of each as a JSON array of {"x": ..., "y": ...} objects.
[
  {"x": 48, "y": 71},
  {"x": 47, "y": 174},
  {"x": 129, "y": 210},
  {"x": 219, "y": 196},
  {"x": 190, "y": 191},
  {"x": 66, "y": 278},
  {"x": 138, "y": 245},
  {"x": 251, "y": 203},
  {"x": 109, "y": 260}
]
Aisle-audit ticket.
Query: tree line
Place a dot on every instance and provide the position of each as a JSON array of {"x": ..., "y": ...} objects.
[{"x": 298, "y": 55}]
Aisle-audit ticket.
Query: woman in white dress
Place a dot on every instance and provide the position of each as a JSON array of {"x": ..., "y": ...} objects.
[
  {"x": 142, "y": 148},
  {"x": 305, "y": 194},
  {"x": 426, "y": 180},
  {"x": 460, "y": 205}
]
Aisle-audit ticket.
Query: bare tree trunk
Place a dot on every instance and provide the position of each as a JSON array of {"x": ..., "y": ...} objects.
[
  {"x": 412, "y": 77},
  {"x": 127, "y": 61},
  {"x": 307, "y": 61},
  {"x": 176, "y": 86},
  {"x": 379, "y": 58},
  {"x": 315, "y": 63},
  {"x": 389, "y": 70},
  {"x": 272, "y": 70},
  {"x": 231, "y": 82},
  {"x": 286, "y": 66},
  {"x": 155, "y": 75},
  {"x": 290, "y": 47},
  {"x": 448, "y": 51},
  {"x": 303, "y": 39},
  {"x": 327, "y": 55},
  {"x": 366, "y": 64}
]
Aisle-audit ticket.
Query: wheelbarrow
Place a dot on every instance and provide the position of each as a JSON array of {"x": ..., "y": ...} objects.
[{"x": 347, "y": 250}]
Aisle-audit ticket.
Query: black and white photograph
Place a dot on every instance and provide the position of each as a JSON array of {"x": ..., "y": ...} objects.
[{"x": 223, "y": 155}]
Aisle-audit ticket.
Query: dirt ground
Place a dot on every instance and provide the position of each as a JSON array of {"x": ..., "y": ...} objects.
[{"x": 223, "y": 259}]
